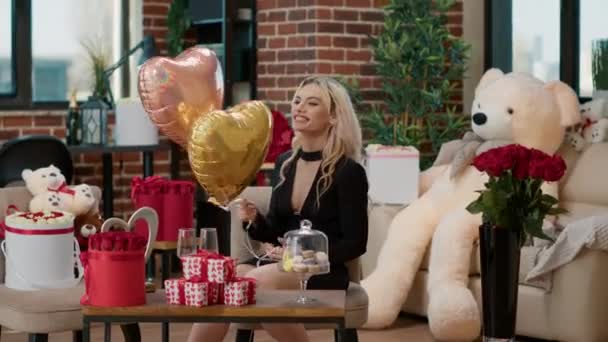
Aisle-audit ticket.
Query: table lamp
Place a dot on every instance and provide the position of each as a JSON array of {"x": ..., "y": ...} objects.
[{"x": 148, "y": 46}]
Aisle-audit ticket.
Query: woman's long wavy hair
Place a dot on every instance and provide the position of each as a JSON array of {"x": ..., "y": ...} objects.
[{"x": 344, "y": 137}]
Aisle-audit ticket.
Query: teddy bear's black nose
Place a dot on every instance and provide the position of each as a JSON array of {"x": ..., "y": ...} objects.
[{"x": 480, "y": 118}]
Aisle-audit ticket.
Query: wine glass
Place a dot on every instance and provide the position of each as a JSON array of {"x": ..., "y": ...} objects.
[
  {"x": 186, "y": 242},
  {"x": 208, "y": 240}
]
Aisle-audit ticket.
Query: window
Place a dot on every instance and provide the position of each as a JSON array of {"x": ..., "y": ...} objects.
[
  {"x": 46, "y": 59},
  {"x": 550, "y": 39},
  {"x": 7, "y": 82},
  {"x": 536, "y": 38}
]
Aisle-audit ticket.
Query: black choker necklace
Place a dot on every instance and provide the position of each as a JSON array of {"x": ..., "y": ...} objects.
[{"x": 311, "y": 156}]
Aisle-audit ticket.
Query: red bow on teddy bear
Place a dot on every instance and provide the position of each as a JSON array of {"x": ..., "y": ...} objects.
[{"x": 63, "y": 188}]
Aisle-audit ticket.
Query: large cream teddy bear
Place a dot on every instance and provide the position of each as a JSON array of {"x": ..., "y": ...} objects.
[
  {"x": 513, "y": 107},
  {"x": 50, "y": 191}
]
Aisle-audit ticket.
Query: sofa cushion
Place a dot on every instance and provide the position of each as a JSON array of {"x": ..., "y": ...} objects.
[
  {"x": 41, "y": 311},
  {"x": 583, "y": 182}
]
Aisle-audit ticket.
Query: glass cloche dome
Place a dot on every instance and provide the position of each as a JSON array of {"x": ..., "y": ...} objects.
[{"x": 305, "y": 253}]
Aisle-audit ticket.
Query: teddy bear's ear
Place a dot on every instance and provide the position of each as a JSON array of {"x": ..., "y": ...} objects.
[
  {"x": 567, "y": 101},
  {"x": 488, "y": 77},
  {"x": 26, "y": 174}
]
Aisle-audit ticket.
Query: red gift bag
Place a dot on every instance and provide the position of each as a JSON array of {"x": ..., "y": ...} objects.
[{"x": 173, "y": 201}]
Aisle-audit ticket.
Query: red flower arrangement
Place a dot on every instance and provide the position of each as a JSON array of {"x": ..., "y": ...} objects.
[{"x": 513, "y": 197}]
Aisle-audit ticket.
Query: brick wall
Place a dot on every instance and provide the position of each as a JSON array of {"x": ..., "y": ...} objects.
[
  {"x": 302, "y": 37},
  {"x": 88, "y": 167},
  {"x": 296, "y": 38}
]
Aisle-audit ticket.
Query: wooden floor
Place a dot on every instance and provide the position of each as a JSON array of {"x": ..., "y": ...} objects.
[{"x": 405, "y": 329}]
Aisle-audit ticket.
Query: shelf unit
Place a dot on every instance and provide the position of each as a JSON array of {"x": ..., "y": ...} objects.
[{"x": 229, "y": 28}]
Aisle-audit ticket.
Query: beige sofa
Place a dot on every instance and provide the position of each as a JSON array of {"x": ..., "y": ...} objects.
[{"x": 574, "y": 308}]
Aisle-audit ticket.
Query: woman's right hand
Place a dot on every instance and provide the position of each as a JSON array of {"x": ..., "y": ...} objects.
[{"x": 247, "y": 211}]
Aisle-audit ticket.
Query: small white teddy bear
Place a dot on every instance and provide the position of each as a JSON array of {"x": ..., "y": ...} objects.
[
  {"x": 47, "y": 201},
  {"x": 594, "y": 126},
  {"x": 50, "y": 192},
  {"x": 595, "y": 120}
]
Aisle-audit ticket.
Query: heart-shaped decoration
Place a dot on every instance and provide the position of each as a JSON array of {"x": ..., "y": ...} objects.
[
  {"x": 144, "y": 213},
  {"x": 227, "y": 148},
  {"x": 194, "y": 77}
]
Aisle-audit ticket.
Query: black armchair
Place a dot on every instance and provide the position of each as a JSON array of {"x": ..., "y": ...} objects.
[{"x": 32, "y": 152}]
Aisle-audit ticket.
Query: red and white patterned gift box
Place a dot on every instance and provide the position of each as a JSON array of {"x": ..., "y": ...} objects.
[
  {"x": 239, "y": 292},
  {"x": 215, "y": 290},
  {"x": 210, "y": 267},
  {"x": 220, "y": 270},
  {"x": 174, "y": 291},
  {"x": 197, "y": 294}
]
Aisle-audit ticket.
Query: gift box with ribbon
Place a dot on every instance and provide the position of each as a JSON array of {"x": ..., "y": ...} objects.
[
  {"x": 175, "y": 291},
  {"x": 173, "y": 200},
  {"x": 210, "y": 267},
  {"x": 240, "y": 291},
  {"x": 115, "y": 271},
  {"x": 197, "y": 294}
]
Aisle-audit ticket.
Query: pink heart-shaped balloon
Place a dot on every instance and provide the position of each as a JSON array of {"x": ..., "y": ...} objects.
[{"x": 194, "y": 77}]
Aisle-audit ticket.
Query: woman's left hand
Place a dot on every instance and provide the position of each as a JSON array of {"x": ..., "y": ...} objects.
[{"x": 275, "y": 252}]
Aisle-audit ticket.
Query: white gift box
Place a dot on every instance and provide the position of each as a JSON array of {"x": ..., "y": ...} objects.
[
  {"x": 40, "y": 255},
  {"x": 393, "y": 173},
  {"x": 133, "y": 125}
]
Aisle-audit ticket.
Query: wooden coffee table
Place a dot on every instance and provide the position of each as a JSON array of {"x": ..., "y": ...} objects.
[{"x": 273, "y": 306}]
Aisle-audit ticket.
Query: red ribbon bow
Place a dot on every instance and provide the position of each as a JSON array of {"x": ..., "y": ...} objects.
[
  {"x": 63, "y": 188},
  {"x": 588, "y": 123}
]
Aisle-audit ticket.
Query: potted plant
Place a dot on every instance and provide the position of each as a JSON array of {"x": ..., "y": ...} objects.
[
  {"x": 513, "y": 207},
  {"x": 421, "y": 64},
  {"x": 177, "y": 25},
  {"x": 599, "y": 68}
]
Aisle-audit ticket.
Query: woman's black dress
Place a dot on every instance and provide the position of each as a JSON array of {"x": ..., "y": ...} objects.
[{"x": 341, "y": 215}]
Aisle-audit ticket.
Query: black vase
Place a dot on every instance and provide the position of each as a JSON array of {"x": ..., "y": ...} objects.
[{"x": 499, "y": 251}]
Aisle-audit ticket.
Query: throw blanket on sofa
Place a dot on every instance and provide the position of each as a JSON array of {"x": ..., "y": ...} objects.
[{"x": 590, "y": 232}]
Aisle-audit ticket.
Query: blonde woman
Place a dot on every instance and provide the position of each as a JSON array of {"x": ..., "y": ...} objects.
[{"x": 320, "y": 180}]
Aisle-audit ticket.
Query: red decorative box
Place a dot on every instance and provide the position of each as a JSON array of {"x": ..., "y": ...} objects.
[
  {"x": 171, "y": 199},
  {"x": 115, "y": 278},
  {"x": 115, "y": 270}
]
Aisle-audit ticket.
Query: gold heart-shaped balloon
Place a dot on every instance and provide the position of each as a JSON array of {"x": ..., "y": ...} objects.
[
  {"x": 194, "y": 77},
  {"x": 227, "y": 148}
]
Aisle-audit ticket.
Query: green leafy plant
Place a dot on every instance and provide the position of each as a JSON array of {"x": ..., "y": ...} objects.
[
  {"x": 512, "y": 197},
  {"x": 177, "y": 24},
  {"x": 599, "y": 65},
  {"x": 99, "y": 60},
  {"x": 421, "y": 64}
]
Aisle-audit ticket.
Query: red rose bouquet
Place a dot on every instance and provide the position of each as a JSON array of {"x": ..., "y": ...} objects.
[{"x": 513, "y": 197}]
